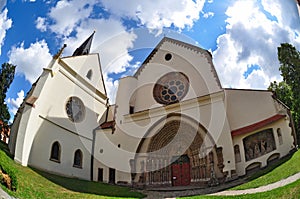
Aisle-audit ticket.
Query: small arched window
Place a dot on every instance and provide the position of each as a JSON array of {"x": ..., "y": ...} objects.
[
  {"x": 237, "y": 153},
  {"x": 279, "y": 136},
  {"x": 78, "y": 159},
  {"x": 89, "y": 74},
  {"x": 55, "y": 152}
]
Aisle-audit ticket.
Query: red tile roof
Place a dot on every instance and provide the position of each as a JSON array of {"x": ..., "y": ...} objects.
[
  {"x": 256, "y": 125},
  {"x": 107, "y": 125}
]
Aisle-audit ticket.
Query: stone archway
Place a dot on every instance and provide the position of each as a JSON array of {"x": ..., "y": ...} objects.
[{"x": 175, "y": 141}]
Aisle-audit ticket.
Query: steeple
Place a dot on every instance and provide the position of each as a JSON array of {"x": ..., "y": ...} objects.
[{"x": 84, "y": 49}]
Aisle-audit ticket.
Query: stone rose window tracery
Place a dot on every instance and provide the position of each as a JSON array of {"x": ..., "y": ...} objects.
[
  {"x": 75, "y": 109},
  {"x": 171, "y": 88}
]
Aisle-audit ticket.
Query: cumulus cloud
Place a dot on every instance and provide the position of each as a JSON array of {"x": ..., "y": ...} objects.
[
  {"x": 67, "y": 15},
  {"x": 251, "y": 39},
  {"x": 112, "y": 44},
  {"x": 41, "y": 24},
  {"x": 111, "y": 88},
  {"x": 208, "y": 14},
  {"x": 30, "y": 61},
  {"x": 5, "y": 24},
  {"x": 15, "y": 103},
  {"x": 157, "y": 14}
]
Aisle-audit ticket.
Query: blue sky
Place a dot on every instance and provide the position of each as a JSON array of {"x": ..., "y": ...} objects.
[{"x": 242, "y": 35}]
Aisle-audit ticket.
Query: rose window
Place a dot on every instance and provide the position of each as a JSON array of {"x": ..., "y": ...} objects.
[{"x": 171, "y": 88}]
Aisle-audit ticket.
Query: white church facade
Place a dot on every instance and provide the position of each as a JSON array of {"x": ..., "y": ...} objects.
[{"x": 172, "y": 123}]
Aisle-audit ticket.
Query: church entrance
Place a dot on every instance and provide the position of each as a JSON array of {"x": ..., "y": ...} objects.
[
  {"x": 177, "y": 155},
  {"x": 180, "y": 168}
]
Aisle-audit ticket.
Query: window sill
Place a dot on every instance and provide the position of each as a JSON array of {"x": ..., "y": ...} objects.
[
  {"x": 54, "y": 160},
  {"x": 77, "y": 166}
]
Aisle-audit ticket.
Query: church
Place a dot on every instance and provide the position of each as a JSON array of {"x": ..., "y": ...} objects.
[{"x": 172, "y": 124}]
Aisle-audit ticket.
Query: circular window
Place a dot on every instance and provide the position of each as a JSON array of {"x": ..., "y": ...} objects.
[
  {"x": 168, "y": 57},
  {"x": 171, "y": 88},
  {"x": 75, "y": 109}
]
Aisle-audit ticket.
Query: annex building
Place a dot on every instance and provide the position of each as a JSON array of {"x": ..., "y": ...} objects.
[{"x": 172, "y": 123}]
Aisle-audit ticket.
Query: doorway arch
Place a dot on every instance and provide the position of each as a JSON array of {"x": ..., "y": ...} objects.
[{"x": 159, "y": 157}]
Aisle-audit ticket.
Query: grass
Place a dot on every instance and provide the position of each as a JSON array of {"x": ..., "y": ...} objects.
[
  {"x": 38, "y": 184},
  {"x": 291, "y": 191},
  {"x": 274, "y": 174},
  {"x": 278, "y": 172}
]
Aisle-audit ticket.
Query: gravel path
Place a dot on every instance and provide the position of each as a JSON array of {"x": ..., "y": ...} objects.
[{"x": 268, "y": 187}]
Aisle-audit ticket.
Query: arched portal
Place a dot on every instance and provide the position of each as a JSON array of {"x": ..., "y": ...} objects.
[{"x": 178, "y": 151}]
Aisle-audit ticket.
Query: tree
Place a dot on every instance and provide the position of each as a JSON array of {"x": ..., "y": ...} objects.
[
  {"x": 7, "y": 73},
  {"x": 288, "y": 91}
]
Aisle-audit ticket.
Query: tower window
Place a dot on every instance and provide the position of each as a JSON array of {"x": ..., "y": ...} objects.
[
  {"x": 89, "y": 74},
  {"x": 131, "y": 109}
]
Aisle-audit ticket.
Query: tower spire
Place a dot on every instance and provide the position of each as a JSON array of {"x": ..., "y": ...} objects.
[{"x": 85, "y": 47}]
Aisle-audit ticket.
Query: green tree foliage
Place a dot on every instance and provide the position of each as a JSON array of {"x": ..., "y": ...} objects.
[
  {"x": 288, "y": 91},
  {"x": 7, "y": 73}
]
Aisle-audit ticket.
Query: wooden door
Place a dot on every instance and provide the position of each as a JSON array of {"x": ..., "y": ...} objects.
[
  {"x": 181, "y": 172},
  {"x": 100, "y": 175},
  {"x": 112, "y": 176}
]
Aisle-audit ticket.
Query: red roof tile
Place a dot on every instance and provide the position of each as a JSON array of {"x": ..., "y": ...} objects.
[
  {"x": 256, "y": 125},
  {"x": 107, "y": 125}
]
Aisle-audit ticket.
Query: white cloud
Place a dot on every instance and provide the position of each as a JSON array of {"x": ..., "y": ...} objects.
[
  {"x": 111, "y": 88},
  {"x": 5, "y": 24},
  {"x": 15, "y": 103},
  {"x": 41, "y": 24},
  {"x": 157, "y": 14},
  {"x": 252, "y": 39},
  {"x": 30, "y": 61},
  {"x": 67, "y": 15},
  {"x": 112, "y": 44},
  {"x": 208, "y": 14}
]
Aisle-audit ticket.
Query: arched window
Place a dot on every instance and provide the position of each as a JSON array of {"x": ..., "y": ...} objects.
[
  {"x": 237, "y": 153},
  {"x": 55, "y": 152},
  {"x": 78, "y": 159},
  {"x": 89, "y": 74},
  {"x": 279, "y": 136}
]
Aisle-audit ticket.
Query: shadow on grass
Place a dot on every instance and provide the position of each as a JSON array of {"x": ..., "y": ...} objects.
[
  {"x": 270, "y": 167},
  {"x": 90, "y": 187},
  {"x": 4, "y": 147}
]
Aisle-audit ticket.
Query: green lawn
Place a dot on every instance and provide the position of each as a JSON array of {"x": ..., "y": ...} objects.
[
  {"x": 37, "y": 184},
  {"x": 291, "y": 191},
  {"x": 286, "y": 169}
]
